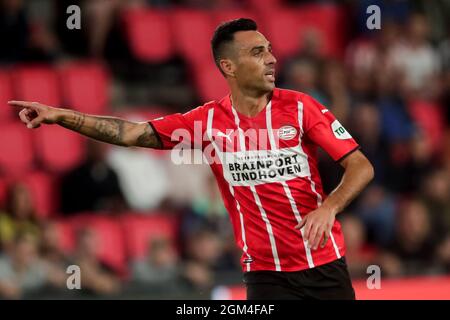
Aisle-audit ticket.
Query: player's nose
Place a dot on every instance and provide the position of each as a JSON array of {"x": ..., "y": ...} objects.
[{"x": 270, "y": 59}]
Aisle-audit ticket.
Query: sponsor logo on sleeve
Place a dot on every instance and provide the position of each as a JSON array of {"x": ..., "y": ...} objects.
[{"x": 339, "y": 131}]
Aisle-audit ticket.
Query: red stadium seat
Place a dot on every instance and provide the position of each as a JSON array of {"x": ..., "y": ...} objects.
[
  {"x": 66, "y": 236},
  {"x": 42, "y": 188},
  {"x": 58, "y": 149},
  {"x": 111, "y": 243},
  {"x": 16, "y": 155},
  {"x": 211, "y": 85},
  {"x": 6, "y": 112},
  {"x": 264, "y": 6},
  {"x": 37, "y": 83},
  {"x": 330, "y": 22},
  {"x": 85, "y": 87},
  {"x": 429, "y": 117},
  {"x": 110, "y": 246},
  {"x": 286, "y": 29},
  {"x": 67, "y": 228},
  {"x": 283, "y": 32},
  {"x": 139, "y": 230},
  {"x": 148, "y": 34},
  {"x": 192, "y": 32}
]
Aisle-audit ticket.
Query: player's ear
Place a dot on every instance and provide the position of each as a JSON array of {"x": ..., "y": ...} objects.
[{"x": 227, "y": 67}]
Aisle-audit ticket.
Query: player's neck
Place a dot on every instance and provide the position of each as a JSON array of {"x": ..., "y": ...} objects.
[{"x": 247, "y": 104}]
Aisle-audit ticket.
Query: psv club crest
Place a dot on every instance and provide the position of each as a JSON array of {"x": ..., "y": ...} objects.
[{"x": 287, "y": 132}]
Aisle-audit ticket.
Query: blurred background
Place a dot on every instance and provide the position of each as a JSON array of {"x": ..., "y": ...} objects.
[{"x": 141, "y": 227}]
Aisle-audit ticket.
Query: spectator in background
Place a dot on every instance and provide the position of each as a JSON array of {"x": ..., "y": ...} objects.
[
  {"x": 444, "y": 50},
  {"x": 23, "y": 39},
  {"x": 159, "y": 271},
  {"x": 415, "y": 57},
  {"x": 334, "y": 84},
  {"x": 97, "y": 18},
  {"x": 50, "y": 246},
  {"x": 208, "y": 212},
  {"x": 311, "y": 48},
  {"x": 359, "y": 255},
  {"x": 19, "y": 216},
  {"x": 414, "y": 248},
  {"x": 443, "y": 254},
  {"x": 23, "y": 273},
  {"x": 368, "y": 54},
  {"x": 92, "y": 186},
  {"x": 14, "y": 31},
  {"x": 396, "y": 122},
  {"x": 361, "y": 86},
  {"x": 303, "y": 75},
  {"x": 445, "y": 98},
  {"x": 436, "y": 197},
  {"x": 406, "y": 147},
  {"x": 376, "y": 209},
  {"x": 365, "y": 124},
  {"x": 301, "y": 71},
  {"x": 203, "y": 252},
  {"x": 98, "y": 278},
  {"x": 370, "y": 63}
]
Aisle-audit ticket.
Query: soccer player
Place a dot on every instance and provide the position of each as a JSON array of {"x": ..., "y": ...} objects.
[{"x": 261, "y": 143}]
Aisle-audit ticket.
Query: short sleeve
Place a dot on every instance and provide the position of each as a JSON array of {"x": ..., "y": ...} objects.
[
  {"x": 183, "y": 130},
  {"x": 322, "y": 128}
]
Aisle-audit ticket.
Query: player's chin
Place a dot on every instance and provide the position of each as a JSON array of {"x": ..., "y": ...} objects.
[
  {"x": 265, "y": 86},
  {"x": 269, "y": 85}
]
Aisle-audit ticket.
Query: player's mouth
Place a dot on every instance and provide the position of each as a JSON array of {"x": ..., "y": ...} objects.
[{"x": 270, "y": 75}]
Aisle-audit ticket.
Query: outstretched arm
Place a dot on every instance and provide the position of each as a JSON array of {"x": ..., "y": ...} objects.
[
  {"x": 107, "y": 129},
  {"x": 318, "y": 223}
]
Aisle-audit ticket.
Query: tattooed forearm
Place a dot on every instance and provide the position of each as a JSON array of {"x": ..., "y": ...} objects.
[
  {"x": 75, "y": 122},
  {"x": 148, "y": 138},
  {"x": 110, "y": 130},
  {"x": 107, "y": 129}
]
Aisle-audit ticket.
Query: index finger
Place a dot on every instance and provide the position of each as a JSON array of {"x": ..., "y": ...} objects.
[{"x": 24, "y": 104}]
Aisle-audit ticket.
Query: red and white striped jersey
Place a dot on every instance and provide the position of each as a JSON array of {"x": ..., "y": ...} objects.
[{"x": 266, "y": 169}]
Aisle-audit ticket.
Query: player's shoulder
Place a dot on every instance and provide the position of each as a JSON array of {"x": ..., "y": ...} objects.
[
  {"x": 202, "y": 109},
  {"x": 213, "y": 104},
  {"x": 309, "y": 104}
]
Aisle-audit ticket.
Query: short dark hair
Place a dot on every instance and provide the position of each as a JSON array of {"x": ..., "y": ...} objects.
[{"x": 224, "y": 34}]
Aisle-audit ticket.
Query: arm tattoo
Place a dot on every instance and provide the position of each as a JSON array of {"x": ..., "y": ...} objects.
[
  {"x": 74, "y": 123},
  {"x": 110, "y": 130},
  {"x": 149, "y": 139},
  {"x": 106, "y": 129}
]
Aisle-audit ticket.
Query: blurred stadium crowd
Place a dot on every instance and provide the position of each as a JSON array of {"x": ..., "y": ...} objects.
[{"x": 139, "y": 225}]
